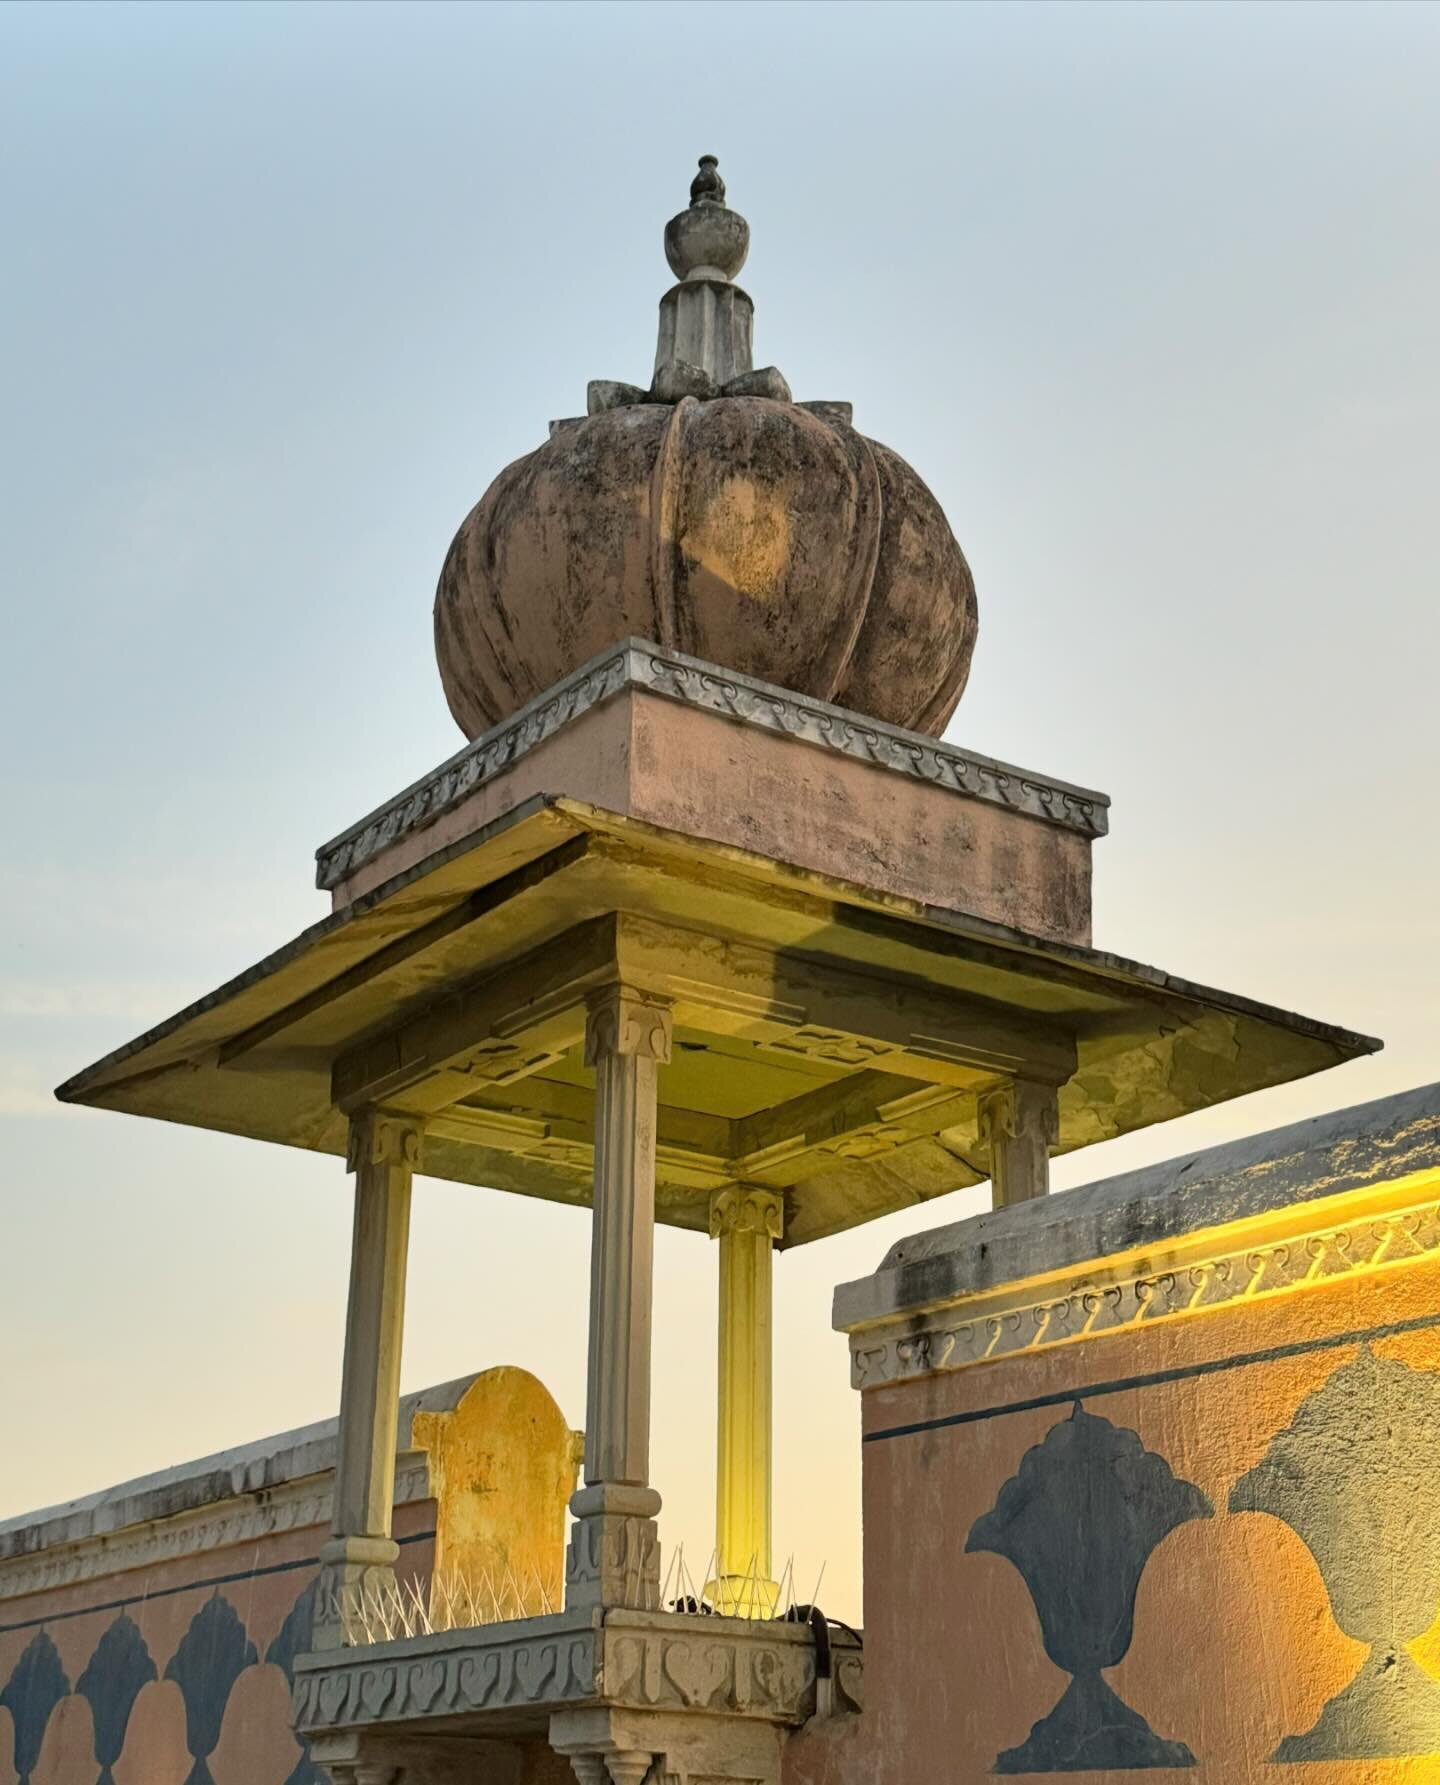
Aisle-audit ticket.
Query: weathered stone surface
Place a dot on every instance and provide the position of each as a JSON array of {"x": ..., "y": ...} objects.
[
  {"x": 713, "y": 515},
  {"x": 678, "y": 379},
  {"x": 745, "y": 531},
  {"x": 766, "y": 381},
  {"x": 607, "y": 393},
  {"x": 1324, "y": 1156}
]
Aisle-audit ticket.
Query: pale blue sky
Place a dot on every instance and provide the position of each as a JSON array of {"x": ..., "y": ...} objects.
[{"x": 1146, "y": 293}]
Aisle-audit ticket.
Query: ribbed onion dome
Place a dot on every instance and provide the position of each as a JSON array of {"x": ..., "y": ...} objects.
[{"x": 712, "y": 514}]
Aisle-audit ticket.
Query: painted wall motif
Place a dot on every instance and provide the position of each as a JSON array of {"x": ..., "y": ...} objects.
[
  {"x": 1208, "y": 1546},
  {"x": 180, "y": 1673},
  {"x": 174, "y": 1675}
]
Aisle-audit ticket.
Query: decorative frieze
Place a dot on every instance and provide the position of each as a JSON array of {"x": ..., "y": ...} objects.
[
  {"x": 480, "y": 1670},
  {"x": 639, "y": 664},
  {"x": 951, "y": 1338},
  {"x": 645, "y": 1661}
]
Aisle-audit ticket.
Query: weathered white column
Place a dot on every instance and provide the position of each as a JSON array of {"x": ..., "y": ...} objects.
[
  {"x": 359, "y": 1559},
  {"x": 747, "y": 1221},
  {"x": 1019, "y": 1123},
  {"x": 614, "y": 1556}
]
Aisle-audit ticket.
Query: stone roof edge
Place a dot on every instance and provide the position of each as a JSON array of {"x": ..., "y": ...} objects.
[
  {"x": 246, "y": 1470},
  {"x": 637, "y": 663},
  {"x": 1365, "y": 1145}
]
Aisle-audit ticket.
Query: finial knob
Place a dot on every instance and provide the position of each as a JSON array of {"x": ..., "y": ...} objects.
[
  {"x": 707, "y": 241},
  {"x": 707, "y": 186}
]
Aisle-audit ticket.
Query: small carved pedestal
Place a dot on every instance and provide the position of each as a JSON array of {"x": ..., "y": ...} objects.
[{"x": 625, "y": 1695}]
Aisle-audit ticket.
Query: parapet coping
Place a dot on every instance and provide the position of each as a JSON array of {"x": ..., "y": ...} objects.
[
  {"x": 259, "y": 1467},
  {"x": 637, "y": 663},
  {"x": 1365, "y": 1146}
]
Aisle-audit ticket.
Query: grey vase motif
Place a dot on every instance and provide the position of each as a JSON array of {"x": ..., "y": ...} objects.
[
  {"x": 1353, "y": 1476},
  {"x": 1079, "y": 1519}
]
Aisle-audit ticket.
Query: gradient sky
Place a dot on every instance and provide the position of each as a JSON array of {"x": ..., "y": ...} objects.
[{"x": 1147, "y": 294}]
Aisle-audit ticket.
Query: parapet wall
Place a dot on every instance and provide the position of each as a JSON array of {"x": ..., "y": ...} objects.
[
  {"x": 148, "y": 1634},
  {"x": 1170, "y": 1506}
]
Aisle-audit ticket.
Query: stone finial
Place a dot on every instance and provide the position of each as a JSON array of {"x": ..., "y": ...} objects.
[
  {"x": 707, "y": 241},
  {"x": 707, "y": 186}
]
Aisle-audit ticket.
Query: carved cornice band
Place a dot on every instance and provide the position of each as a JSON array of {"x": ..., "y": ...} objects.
[
  {"x": 639, "y": 664},
  {"x": 294, "y": 1507},
  {"x": 909, "y": 1345}
]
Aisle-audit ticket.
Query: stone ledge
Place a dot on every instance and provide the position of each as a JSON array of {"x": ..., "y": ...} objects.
[
  {"x": 277, "y": 1483},
  {"x": 1367, "y": 1146}
]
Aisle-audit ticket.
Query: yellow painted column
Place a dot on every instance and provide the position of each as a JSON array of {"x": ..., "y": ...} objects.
[{"x": 747, "y": 1221}]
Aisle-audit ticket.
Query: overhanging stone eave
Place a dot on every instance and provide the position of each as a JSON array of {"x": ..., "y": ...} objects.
[
  {"x": 530, "y": 830},
  {"x": 1126, "y": 1016}
]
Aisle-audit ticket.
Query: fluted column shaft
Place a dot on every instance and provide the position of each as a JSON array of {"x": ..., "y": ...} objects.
[{"x": 614, "y": 1550}]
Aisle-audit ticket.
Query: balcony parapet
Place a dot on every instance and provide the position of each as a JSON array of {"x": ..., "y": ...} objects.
[{"x": 666, "y": 1677}]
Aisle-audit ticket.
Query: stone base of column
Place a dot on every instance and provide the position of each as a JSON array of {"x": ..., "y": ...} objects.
[
  {"x": 614, "y": 1553},
  {"x": 353, "y": 1571}
]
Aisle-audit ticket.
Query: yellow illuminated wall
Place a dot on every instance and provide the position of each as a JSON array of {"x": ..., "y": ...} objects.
[{"x": 1208, "y": 1539}]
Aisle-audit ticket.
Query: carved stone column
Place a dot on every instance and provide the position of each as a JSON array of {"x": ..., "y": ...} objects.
[
  {"x": 747, "y": 1221},
  {"x": 359, "y": 1559},
  {"x": 1019, "y": 1123},
  {"x": 614, "y": 1556}
]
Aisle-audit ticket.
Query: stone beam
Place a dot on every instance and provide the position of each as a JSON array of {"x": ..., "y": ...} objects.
[
  {"x": 858, "y": 1117},
  {"x": 802, "y": 1007},
  {"x": 493, "y": 1031},
  {"x": 554, "y": 1119}
]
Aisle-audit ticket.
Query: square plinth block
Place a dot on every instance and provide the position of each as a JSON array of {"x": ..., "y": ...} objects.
[{"x": 836, "y": 912}]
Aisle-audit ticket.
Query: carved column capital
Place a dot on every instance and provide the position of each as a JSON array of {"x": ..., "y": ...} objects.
[
  {"x": 378, "y": 1137},
  {"x": 746, "y": 1208},
  {"x": 1019, "y": 1124},
  {"x": 1020, "y": 1106},
  {"x": 747, "y": 1211},
  {"x": 623, "y": 1023}
]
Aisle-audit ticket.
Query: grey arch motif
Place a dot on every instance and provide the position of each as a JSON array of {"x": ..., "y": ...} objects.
[
  {"x": 1079, "y": 1520},
  {"x": 1353, "y": 1476},
  {"x": 212, "y": 1655},
  {"x": 113, "y": 1677},
  {"x": 36, "y": 1685},
  {"x": 294, "y": 1638}
]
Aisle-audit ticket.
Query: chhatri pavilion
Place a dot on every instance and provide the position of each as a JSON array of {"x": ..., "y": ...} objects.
[{"x": 705, "y": 924}]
